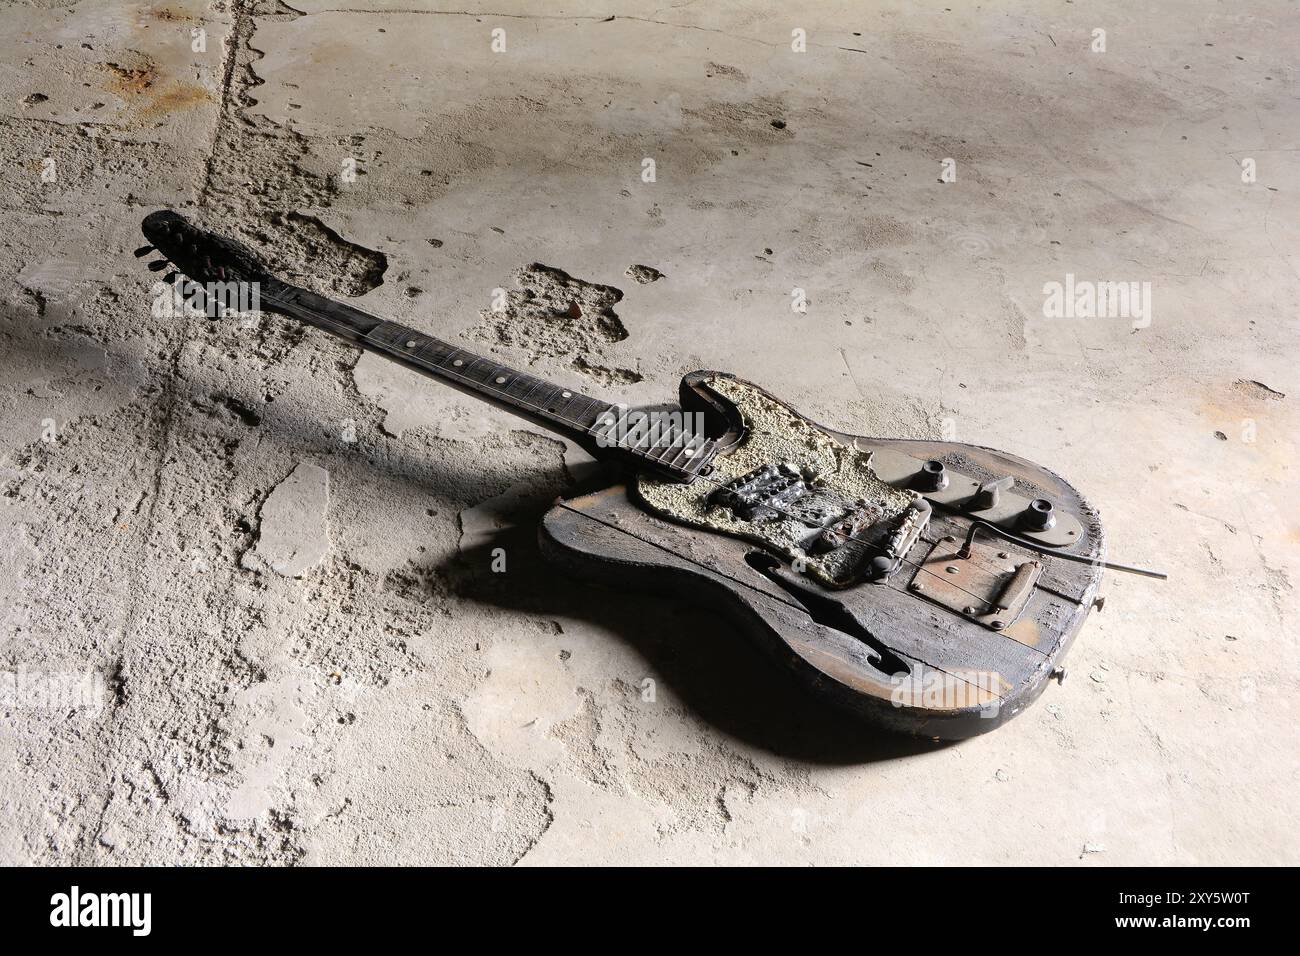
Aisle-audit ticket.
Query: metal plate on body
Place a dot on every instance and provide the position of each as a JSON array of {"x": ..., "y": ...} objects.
[
  {"x": 989, "y": 587},
  {"x": 898, "y": 469}
]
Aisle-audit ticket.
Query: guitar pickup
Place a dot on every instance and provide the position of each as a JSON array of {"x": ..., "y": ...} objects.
[{"x": 764, "y": 494}]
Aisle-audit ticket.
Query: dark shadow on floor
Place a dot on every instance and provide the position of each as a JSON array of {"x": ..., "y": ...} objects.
[{"x": 716, "y": 671}]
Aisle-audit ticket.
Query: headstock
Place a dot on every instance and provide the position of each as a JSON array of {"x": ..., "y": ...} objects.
[{"x": 204, "y": 258}]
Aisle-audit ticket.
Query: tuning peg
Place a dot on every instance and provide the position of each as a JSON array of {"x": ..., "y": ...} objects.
[
  {"x": 143, "y": 251},
  {"x": 171, "y": 277},
  {"x": 158, "y": 265}
]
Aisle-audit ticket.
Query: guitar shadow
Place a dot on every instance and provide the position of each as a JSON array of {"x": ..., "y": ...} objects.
[
  {"x": 718, "y": 673},
  {"x": 709, "y": 664}
]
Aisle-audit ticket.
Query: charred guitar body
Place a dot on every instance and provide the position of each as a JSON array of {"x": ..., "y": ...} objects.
[{"x": 901, "y": 627}]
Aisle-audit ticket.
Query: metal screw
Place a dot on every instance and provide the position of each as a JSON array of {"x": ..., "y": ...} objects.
[
  {"x": 970, "y": 610},
  {"x": 997, "y": 625},
  {"x": 952, "y": 569},
  {"x": 1003, "y": 554},
  {"x": 1058, "y": 675},
  {"x": 916, "y": 586}
]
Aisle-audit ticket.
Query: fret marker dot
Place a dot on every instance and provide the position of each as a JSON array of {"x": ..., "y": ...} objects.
[
  {"x": 411, "y": 344},
  {"x": 689, "y": 452},
  {"x": 458, "y": 362},
  {"x": 501, "y": 379},
  {"x": 566, "y": 394}
]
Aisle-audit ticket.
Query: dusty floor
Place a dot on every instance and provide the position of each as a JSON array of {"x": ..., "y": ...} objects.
[{"x": 163, "y": 480}]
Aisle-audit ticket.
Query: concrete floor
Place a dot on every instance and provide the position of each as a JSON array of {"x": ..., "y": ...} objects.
[{"x": 400, "y": 703}]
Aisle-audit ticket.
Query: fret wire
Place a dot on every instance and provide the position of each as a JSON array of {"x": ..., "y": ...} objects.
[
  {"x": 550, "y": 392},
  {"x": 533, "y": 383},
  {"x": 547, "y": 393}
]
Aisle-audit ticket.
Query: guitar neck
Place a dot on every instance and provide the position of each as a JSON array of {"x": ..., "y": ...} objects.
[{"x": 561, "y": 410}]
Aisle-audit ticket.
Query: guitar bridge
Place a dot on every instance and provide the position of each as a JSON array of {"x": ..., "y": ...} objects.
[{"x": 990, "y": 587}]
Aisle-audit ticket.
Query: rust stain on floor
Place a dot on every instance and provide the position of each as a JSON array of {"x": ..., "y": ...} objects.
[
  {"x": 130, "y": 81},
  {"x": 176, "y": 97},
  {"x": 147, "y": 97}
]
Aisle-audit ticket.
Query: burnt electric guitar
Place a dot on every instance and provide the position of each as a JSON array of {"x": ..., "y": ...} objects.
[{"x": 932, "y": 587}]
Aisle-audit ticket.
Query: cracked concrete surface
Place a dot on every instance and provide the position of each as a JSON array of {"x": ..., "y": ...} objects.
[{"x": 399, "y": 701}]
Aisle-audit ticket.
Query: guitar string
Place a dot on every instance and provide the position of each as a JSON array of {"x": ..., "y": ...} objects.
[
  {"x": 875, "y": 547},
  {"x": 835, "y": 531},
  {"x": 588, "y": 429}
]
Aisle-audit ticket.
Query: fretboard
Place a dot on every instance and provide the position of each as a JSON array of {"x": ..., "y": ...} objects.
[
  {"x": 563, "y": 410},
  {"x": 556, "y": 406},
  {"x": 486, "y": 378}
]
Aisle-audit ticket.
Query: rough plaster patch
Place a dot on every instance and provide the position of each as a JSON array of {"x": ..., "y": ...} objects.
[
  {"x": 314, "y": 248},
  {"x": 294, "y": 534},
  {"x": 1254, "y": 389},
  {"x": 750, "y": 122},
  {"x": 553, "y": 314},
  {"x": 605, "y": 374}
]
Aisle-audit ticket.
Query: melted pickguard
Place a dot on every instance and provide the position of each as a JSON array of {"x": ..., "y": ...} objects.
[{"x": 776, "y": 434}]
